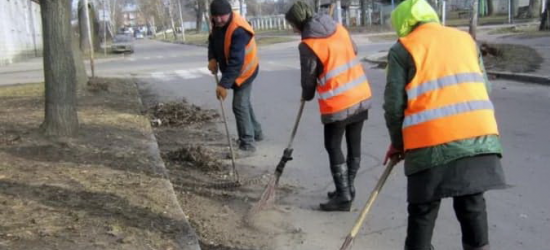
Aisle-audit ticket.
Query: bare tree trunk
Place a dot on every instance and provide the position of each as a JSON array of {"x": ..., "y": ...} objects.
[
  {"x": 94, "y": 22},
  {"x": 181, "y": 22},
  {"x": 80, "y": 69},
  {"x": 473, "y": 18},
  {"x": 363, "y": 21},
  {"x": 171, "y": 16},
  {"x": 59, "y": 69},
  {"x": 200, "y": 13},
  {"x": 490, "y": 7},
  {"x": 83, "y": 28},
  {"x": 534, "y": 8}
]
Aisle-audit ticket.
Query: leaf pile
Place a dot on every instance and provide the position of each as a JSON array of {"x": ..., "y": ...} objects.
[
  {"x": 177, "y": 114},
  {"x": 197, "y": 156}
]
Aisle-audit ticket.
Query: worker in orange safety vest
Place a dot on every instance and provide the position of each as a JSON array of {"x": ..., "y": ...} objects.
[
  {"x": 232, "y": 49},
  {"x": 330, "y": 67}
]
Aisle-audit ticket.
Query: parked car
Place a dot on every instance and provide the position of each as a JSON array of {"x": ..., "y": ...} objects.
[
  {"x": 139, "y": 35},
  {"x": 123, "y": 44}
]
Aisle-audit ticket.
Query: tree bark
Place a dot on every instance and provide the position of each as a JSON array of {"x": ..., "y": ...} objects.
[
  {"x": 363, "y": 21},
  {"x": 94, "y": 22},
  {"x": 59, "y": 69},
  {"x": 80, "y": 69},
  {"x": 473, "y": 18},
  {"x": 171, "y": 16},
  {"x": 490, "y": 7},
  {"x": 83, "y": 28}
]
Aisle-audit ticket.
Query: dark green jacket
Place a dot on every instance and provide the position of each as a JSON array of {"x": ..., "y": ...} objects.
[{"x": 401, "y": 70}]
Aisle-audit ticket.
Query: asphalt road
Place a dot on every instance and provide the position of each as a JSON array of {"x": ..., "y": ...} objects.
[{"x": 519, "y": 216}]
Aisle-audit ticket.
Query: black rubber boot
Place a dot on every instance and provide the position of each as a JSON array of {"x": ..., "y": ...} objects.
[
  {"x": 353, "y": 168},
  {"x": 342, "y": 200}
]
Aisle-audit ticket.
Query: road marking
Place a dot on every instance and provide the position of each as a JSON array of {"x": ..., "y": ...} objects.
[
  {"x": 147, "y": 58},
  {"x": 162, "y": 76},
  {"x": 160, "y": 57},
  {"x": 192, "y": 73}
]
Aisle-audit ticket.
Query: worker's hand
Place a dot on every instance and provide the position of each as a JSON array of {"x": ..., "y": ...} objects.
[
  {"x": 394, "y": 153},
  {"x": 213, "y": 66},
  {"x": 221, "y": 93}
]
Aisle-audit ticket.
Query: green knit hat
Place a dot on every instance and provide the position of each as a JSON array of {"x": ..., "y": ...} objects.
[{"x": 299, "y": 13}]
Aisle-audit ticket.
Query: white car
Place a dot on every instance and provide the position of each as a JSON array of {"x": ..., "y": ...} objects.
[{"x": 123, "y": 44}]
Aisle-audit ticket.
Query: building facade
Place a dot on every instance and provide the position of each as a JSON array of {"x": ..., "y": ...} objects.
[{"x": 20, "y": 30}]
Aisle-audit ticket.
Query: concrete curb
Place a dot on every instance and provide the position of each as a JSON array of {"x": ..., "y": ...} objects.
[
  {"x": 189, "y": 239},
  {"x": 375, "y": 59},
  {"x": 521, "y": 77}
]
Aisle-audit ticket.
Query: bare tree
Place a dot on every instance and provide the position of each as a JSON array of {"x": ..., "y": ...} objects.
[
  {"x": 473, "y": 18},
  {"x": 363, "y": 5},
  {"x": 170, "y": 11},
  {"x": 80, "y": 69},
  {"x": 83, "y": 28},
  {"x": 59, "y": 69},
  {"x": 490, "y": 7}
]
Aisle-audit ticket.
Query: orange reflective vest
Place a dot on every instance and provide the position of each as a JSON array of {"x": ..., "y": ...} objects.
[
  {"x": 343, "y": 83},
  {"x": 251, "y": 59},
  {"x": 447, "y": 98}
]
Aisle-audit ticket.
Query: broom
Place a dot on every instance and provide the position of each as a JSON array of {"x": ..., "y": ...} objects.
[
  {"x": 351, "y": 236},
  {"x": 268, "y": 196}
]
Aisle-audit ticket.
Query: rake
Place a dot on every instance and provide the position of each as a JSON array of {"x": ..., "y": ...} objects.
[{"x": 351, "y": 236}]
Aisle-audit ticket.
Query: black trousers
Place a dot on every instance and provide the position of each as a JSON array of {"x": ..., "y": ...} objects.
[
  {"x": 470, "y": 211},
  {"x": 334, "y": 133}
]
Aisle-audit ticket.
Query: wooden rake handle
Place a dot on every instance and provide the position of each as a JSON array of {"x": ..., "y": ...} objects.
[
  {"x": 231, "y": 150},
  {"x": 368, "y": 205}
]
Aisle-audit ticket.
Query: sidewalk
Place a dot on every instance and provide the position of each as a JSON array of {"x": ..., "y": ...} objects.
[{"x": 106, "y": 188}]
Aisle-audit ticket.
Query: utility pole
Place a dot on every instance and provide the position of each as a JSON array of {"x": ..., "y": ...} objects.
[
  {"x": 87, "y": 17},
  {"x": 181, "y": 20},
  {"x": 444, "y": 11},
  {"x": 339, "y": 11},
  {"x": 241, "y": 8},
  {"x": 510, "y": 11},
  {"x": 104, "y": 28}
]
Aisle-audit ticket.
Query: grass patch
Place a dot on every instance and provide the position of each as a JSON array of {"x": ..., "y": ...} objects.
[
  {"x": 481, "y": 21},
  {"x": 262, "y": 41},
  {"x": 383, "y": 38},
  {"x": 22, "y": 90}
]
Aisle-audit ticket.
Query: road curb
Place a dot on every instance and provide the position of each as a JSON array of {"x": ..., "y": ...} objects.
[
  {"x": 521, "y": 77},
  {"x": 189, "y": 239},
  {"x": 375, "y": 59}
]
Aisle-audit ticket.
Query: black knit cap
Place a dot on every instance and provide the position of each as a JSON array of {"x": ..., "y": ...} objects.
[{"x": 220, "y": 7}]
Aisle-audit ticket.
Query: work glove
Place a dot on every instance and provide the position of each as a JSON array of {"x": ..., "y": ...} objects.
[
  {"x": 394, "y": 153},
  {"x": 221, "y": 93},
  {"x": 213, "y": 66}
]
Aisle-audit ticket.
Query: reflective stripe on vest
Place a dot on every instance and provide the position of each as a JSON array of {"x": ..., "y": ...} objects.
[
  {"x": 251, "y": 59},
  {"x": 445, "y": 111},
  {"x": 447, "y": 99},
  {"x": 443, "y": 82},
  {"x": 343, "y": 83},
  {"x": 338, "y": 70}
]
